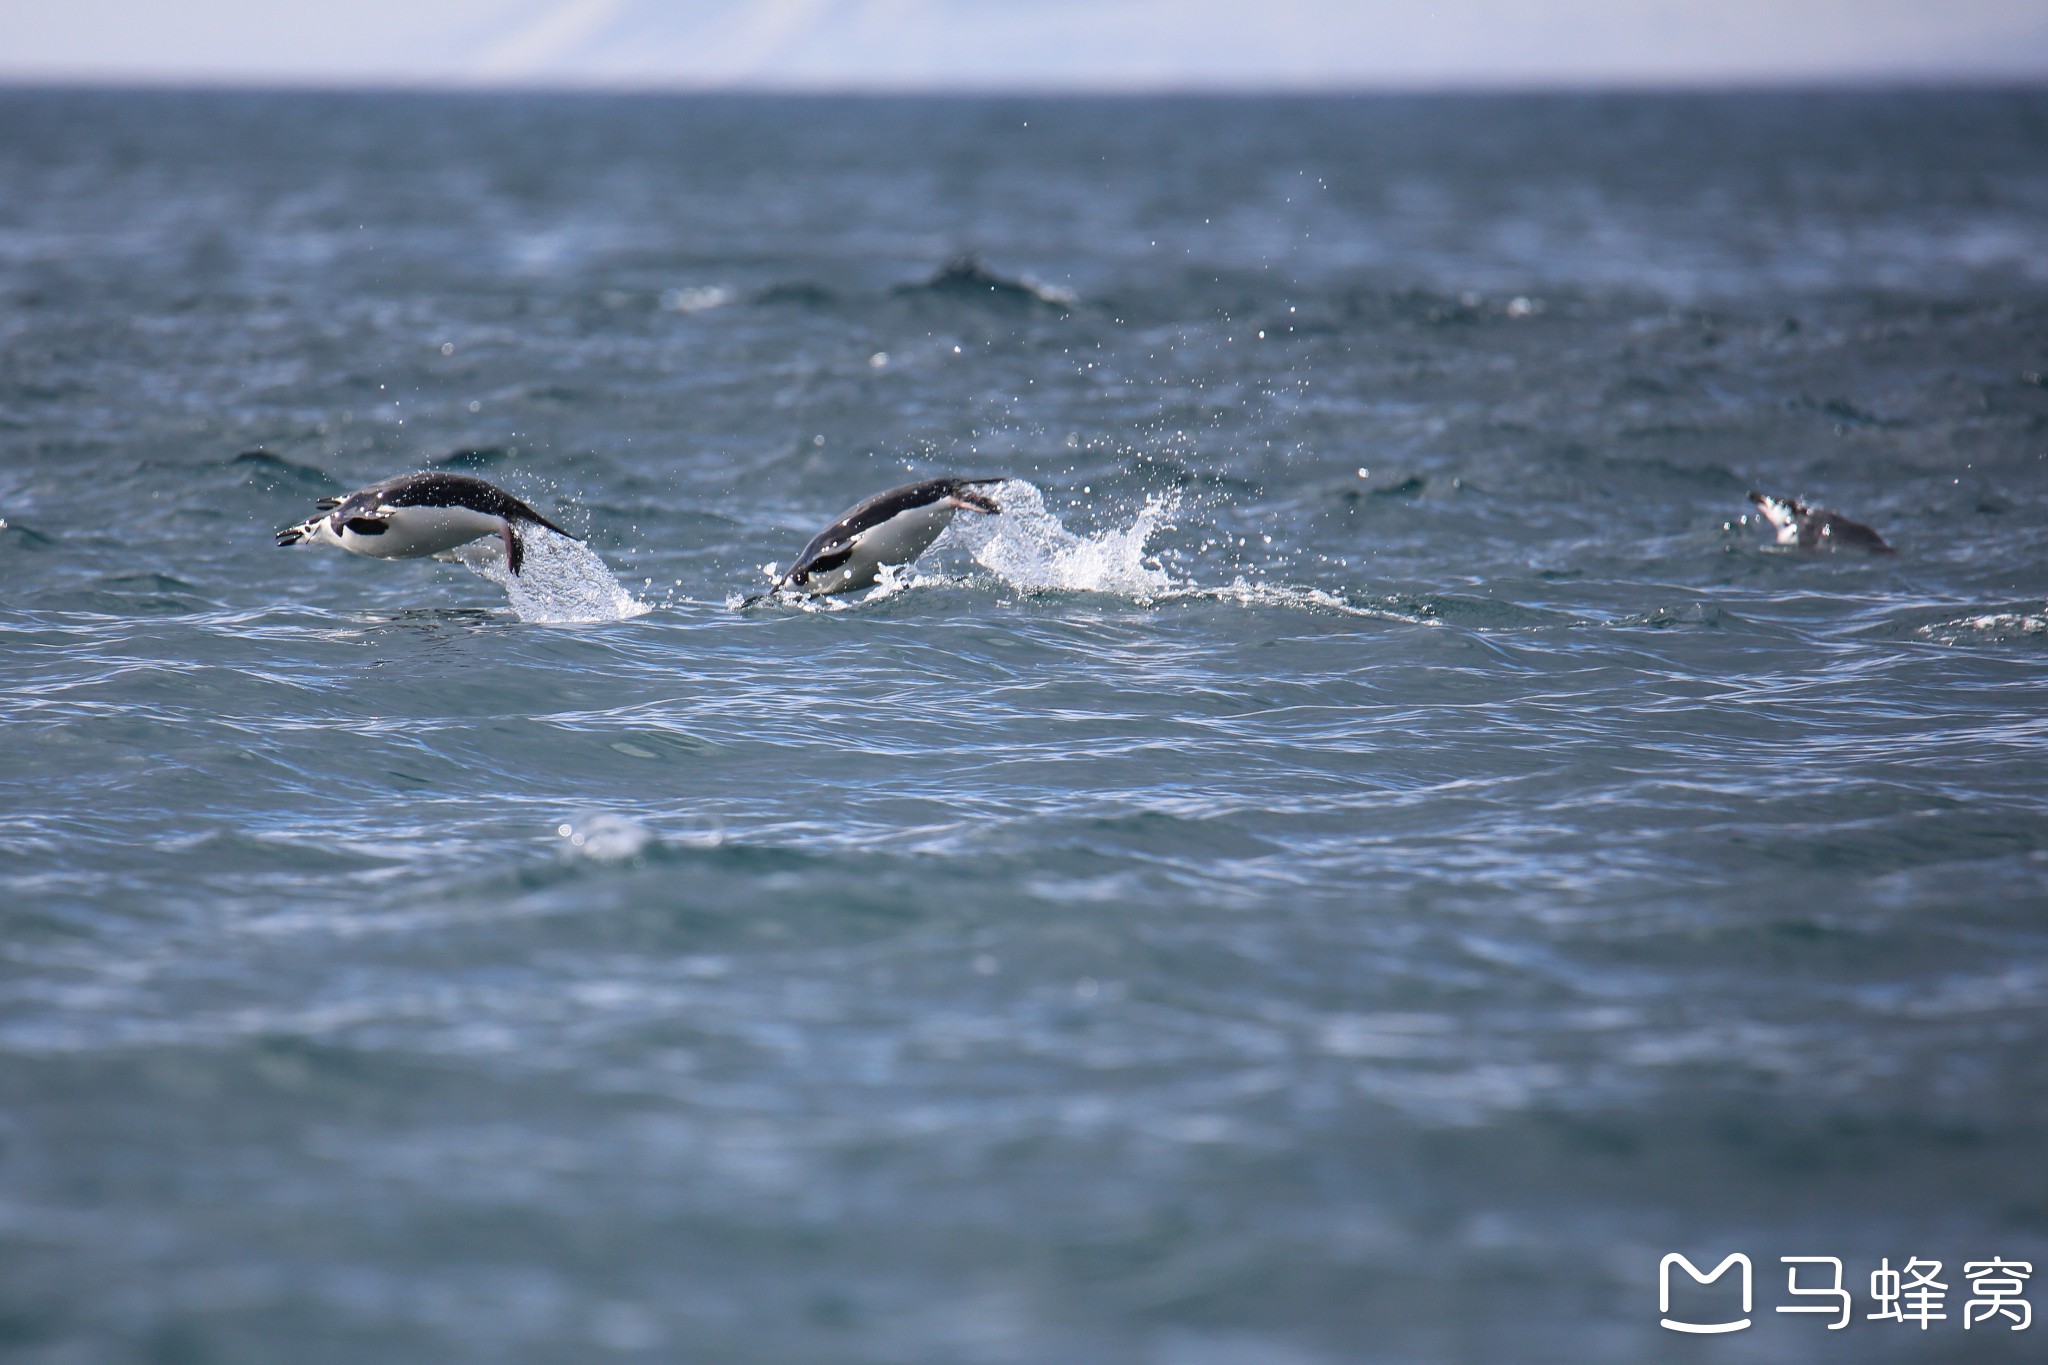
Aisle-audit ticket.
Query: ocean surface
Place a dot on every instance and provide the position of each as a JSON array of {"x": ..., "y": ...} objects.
[{"x": 1368, "y": 853}]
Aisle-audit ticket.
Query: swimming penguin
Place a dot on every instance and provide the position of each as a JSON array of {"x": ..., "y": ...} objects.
[
  {"x": 416, "y": 515},
  {"x": 1813, "y": 528},
  {"x": 890, "y": 528}
]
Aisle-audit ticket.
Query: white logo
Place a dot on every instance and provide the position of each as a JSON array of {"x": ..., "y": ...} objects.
[
  {"x": 1909, "y": 1296},
  {"x": 1664, "y": 1292}
]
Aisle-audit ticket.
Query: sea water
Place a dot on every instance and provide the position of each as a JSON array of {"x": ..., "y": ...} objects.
[{"x": 1369, "y": 852}]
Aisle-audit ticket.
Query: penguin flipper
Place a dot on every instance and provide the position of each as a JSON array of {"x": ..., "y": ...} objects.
[{"x": 515, "y": 552}]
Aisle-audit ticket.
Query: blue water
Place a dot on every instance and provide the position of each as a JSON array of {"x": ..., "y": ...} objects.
[{"x": 1370, "y": 852}]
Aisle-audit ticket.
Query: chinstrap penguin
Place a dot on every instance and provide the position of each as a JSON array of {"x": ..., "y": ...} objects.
[
  {"x": 417, "y": 515},
  {"x": 889, "y": 528},
  {"x": 1816, "y": 528}
]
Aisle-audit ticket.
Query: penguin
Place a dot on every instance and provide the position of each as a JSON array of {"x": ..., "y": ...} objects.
[
  {"x": 416, "y": 515},
  {"x": 1816, "y": 528},
  {"x": 889, "y": 528}
]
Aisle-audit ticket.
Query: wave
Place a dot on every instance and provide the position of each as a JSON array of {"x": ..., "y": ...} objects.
[
  {"x": 602, "y": 837},
  {"x": 1246, "y": 593},
  {"x": 268, "y": 472},
  {"x": 965, "y": 277}
]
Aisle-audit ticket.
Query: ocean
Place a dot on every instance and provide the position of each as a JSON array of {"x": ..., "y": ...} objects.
[{"x": 1372, "y": 851}]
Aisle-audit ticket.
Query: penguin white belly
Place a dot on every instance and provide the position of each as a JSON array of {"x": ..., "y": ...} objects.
[
  {"x": 416, "y": 532},
  {"x": 899, "y": 540}
]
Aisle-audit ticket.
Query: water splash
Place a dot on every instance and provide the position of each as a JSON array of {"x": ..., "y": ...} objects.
[
  {"x": 561, "y": 581},
  {"x": 601, "y": 837},
  {"x": 1029, "y": 548}
]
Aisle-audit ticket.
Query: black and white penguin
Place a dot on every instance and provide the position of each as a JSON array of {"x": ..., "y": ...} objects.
[
  {"x": 890, "y": 528},
  {"x": 416, "y": 515},
  {"x": 1816, "y": 528}
]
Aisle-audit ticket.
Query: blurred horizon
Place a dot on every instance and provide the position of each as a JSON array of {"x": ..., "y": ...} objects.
[{"x": 1045, "y": 46}]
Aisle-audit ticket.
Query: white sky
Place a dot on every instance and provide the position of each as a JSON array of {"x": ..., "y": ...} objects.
[{"x": 1050, "y": 44}]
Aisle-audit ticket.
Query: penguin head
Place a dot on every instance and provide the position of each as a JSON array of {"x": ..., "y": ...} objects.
[
  {"x": 1779, "y": 512},
  {"x": 966, "y": 497}
]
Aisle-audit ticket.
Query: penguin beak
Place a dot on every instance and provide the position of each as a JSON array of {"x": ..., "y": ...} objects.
[
  {"x": 967, "y": 500},
  {"x": 1776, "y": 511}
]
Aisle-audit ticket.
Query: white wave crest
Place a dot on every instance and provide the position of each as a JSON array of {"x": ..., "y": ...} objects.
[
  {"x": 2002, "y": 625},
  {"x": 601, "y": 837},
  {"x": 561, "y": 580},
  {"x": 1249, "y": 594}
]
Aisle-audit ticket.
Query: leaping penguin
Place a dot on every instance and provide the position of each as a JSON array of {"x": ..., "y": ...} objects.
[
  {"x": 1816, "y": 528},
  {"x": 889, "y": 528},
  {"x": 416, "y": 515}
]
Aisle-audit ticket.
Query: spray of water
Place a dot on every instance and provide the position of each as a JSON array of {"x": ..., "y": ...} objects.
[
  {"x": 561, "y": 580},
  {"x": 1031, "y": 550}
]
